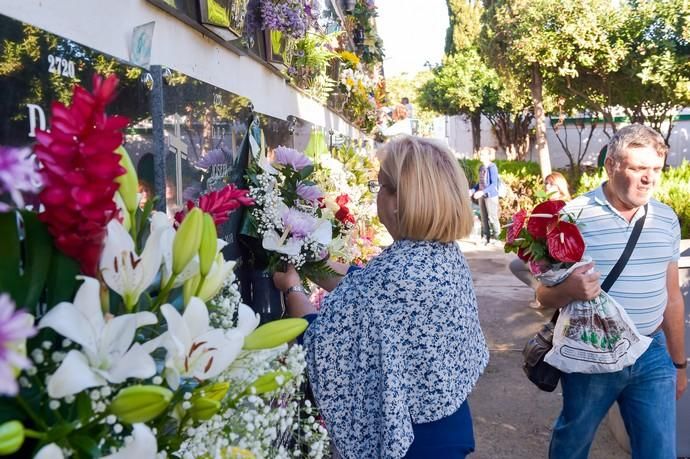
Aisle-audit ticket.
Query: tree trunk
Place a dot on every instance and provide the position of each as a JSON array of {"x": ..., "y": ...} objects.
[
  {"x": 476, "y": 122},
  {"x": 539, "y": 117}
]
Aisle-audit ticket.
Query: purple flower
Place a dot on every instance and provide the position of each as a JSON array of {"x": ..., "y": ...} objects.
[
  {"x": 290, "y": 157},
  {"x": 17, "y": 174},
  {"x": 212, "y": 158},
  {"x": 309, "y": 192},
  {"x": 15, "y": 327},
  {"x": 299, "y": 223}
]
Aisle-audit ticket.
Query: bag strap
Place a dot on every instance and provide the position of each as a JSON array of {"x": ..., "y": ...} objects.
[
  {"x": 622, "y": 261},
  {"x": 625, "y": 256}
]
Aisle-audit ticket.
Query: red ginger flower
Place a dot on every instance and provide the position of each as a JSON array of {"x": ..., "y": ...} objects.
[
  {"x": 219, "y": 204},
  {"x": 543, "y": 215},
  {"x": 79, "y": 170}
]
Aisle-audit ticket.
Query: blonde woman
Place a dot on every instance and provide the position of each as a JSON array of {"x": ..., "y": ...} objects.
[
  {"x": 556, "y": 186},
  {"x": 397, "y": 346}
]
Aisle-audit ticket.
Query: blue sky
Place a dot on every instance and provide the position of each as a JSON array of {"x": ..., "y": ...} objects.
[{"x": 413, "y": 32}]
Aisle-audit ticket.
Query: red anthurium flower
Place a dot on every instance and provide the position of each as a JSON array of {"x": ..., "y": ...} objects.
[
  {"x": 79, "y": 170},
  {"x": 516, "y": 226},
  {"x": 542, "y": 215},
  {"x": 220, "y": 204},
  {"x": 565, "y": 242},
  {"x": 523, "y": 255}
]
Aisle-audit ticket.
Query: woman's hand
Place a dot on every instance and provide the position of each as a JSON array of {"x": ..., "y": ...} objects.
[{"x": 289, "y": 278}]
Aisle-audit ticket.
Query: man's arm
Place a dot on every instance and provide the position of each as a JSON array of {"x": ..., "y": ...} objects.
[
  {"x": 580, "y": 285},
  {"x": 674, "y": 325}
]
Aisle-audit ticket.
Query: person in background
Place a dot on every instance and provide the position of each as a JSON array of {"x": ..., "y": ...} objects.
[
  {"x": 397, "y": 346},
  {"x": 401, "y": 123},
  {"x": 556, "y": 187},
  {"x": 408, "y": 106},
  {"x": 486, "y": 193},
  {"x": 648, "y": 290}
]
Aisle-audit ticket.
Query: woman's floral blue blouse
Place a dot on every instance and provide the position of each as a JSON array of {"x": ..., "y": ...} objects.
[{"x": 396, "y": 343}]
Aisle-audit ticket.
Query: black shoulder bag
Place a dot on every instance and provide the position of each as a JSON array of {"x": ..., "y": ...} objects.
[{"x": 543, "y": 375}]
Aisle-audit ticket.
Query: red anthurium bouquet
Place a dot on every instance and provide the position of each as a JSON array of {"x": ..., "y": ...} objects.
[{"x": 544, "y": 237}]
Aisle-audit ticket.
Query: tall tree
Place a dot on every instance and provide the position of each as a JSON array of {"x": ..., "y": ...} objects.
[
  {"x": 464, "y": 17},
  {"x": 458, "y": 87}
]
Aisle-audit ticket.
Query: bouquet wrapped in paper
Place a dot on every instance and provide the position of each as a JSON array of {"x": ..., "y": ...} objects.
[{"x": 595, "y": 336}]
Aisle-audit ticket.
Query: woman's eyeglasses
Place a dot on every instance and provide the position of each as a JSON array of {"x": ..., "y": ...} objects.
[{"x": 374, "y": 186}]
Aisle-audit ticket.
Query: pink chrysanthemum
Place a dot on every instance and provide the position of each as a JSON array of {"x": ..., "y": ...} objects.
[{"x": 290, "y": 157}]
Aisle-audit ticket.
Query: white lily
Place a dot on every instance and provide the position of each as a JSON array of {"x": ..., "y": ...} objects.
[
  {"x": 122, "y": 269},
  {"x": 274, "y": 242},
  {"x": 143, "y": 445},
  {"x": 323, "y": 232},
  {"x": 161, "y": 225},
  {"x": 194, "y": 349},
  {"x": 107, "y": 353},
  {"x": 213, "y": 282},
  {"x": 50, "y": 451}
]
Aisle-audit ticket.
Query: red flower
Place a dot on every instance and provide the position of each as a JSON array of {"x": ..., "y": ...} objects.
[
  {"x": 516, "y": 226},
  {"x": 79, "y": 170},
  {"x": 542, "y": 216},
  {"x": 345, "y": 216},
  {"x": 565, "y": 242},
  {"x": 523, "y": 255},
  {"x": 342, "y": 200},
  {"x": 220, "y": 204}
]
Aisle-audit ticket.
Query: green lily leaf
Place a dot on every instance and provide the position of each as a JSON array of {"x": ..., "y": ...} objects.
[{"x": 27, "y": 249}]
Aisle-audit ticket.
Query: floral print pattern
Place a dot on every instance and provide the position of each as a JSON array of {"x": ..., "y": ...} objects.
[{"x": 396, "y": 343}]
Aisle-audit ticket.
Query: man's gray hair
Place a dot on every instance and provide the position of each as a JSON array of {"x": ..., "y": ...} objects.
[{"x": 635, "y": 136}]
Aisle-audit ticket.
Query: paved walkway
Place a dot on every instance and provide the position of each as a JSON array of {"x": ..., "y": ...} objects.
[{"x": 513, "y": 418}]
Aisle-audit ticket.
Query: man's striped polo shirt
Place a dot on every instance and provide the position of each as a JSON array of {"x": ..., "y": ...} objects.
[{"x": 641, "y": 287}]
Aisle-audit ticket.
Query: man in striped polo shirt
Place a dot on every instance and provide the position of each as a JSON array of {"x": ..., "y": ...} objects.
[{"x": 649, "y": 291}]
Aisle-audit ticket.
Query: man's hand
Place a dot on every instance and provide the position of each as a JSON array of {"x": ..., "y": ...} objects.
[
  {"x": 289, "y": 278},
  {"x": 681, "y": 383},
  {"x": 583, "y": 283},
  {"x": 478, "y": 194}
]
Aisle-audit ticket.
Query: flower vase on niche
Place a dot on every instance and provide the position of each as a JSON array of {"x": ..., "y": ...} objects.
[
  {"x": 276, "y": 48},
  {"x": 224, "y": 17},
  {"x": 267, "y": 300}
]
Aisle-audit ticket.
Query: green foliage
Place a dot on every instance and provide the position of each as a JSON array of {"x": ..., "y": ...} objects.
[
  {"x": 460, "y": 85},
  {"x": 465, "y": 24},
  {"x": 310, "y": 62}
]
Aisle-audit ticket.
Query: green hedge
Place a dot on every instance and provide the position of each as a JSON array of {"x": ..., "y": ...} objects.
[{"x": 523, "y": 180}]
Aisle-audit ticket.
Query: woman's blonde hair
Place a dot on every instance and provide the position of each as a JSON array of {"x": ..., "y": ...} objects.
[
  {"x": 432, "y": 192},
  {"x": 561, "y": 183}
]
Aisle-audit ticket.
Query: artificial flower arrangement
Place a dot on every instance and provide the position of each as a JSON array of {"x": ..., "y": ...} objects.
[
  {"x": 595, "y": 336},
  {"x": 122, "y": 336},
  {"x": 291, "y": 17},
  {"x": 287, "y": 215}
]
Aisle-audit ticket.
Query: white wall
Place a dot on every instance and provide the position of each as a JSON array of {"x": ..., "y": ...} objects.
[{"x": 107, "y": 27}]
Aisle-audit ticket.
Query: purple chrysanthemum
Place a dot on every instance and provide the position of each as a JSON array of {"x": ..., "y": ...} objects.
[
  {"x": 213, "y": 158},
  {"x": 290, "y": 157},
  {"x": 17, "y": 174},
  {"x": 309, "y": 192},
  {"x": 15, "y": 327},
  {"x": 299, "y": 223}
]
